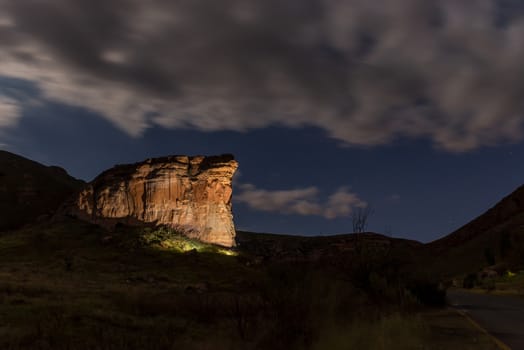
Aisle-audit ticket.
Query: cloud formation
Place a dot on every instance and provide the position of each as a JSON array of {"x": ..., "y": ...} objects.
[
  {"x": 366, "y": 72},
  {"x": 9, "y": 111},
  {"x": 302, "y": 201}
]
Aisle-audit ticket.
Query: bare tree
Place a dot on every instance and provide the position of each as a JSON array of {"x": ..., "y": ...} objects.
[{"x": 360, "y": 219}]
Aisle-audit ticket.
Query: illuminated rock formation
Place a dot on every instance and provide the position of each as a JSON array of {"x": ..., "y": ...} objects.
[{"x": 191, "y": 193}]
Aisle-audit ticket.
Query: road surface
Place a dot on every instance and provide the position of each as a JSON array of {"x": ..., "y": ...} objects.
[{"x": 501, "y": 316}]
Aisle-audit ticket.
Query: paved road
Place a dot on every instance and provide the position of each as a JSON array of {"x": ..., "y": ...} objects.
[{"x": 501, "y": 316}]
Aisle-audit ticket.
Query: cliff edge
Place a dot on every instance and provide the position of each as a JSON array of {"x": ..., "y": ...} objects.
[{"x": 192, "y": 194}]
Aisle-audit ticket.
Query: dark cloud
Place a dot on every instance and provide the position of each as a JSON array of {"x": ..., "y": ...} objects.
[
  {"x": 78, "y": 33},
  {"x": 366, "y": 72}
]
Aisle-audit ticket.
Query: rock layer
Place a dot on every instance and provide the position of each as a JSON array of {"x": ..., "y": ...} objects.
[{"x": 189, "y": 193}]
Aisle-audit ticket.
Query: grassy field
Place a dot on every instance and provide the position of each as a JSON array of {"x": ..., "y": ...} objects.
[
  {"x": 72, "y": 285},
  {"x": 447, "y": 329}
]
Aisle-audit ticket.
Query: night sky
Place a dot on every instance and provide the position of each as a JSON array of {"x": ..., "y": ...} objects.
[{"x": 413, "y": 108}]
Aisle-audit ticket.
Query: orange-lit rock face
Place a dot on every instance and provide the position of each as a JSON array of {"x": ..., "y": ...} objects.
[{"x": 189, "y": 192}]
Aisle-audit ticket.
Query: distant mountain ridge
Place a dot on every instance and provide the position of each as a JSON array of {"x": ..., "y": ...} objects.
[
  {"x": 281, "y": 247},
  {"x": 498, "y": 234},
  {"x": 30, "y": 190},
  {"x": 506, "y": 214}
]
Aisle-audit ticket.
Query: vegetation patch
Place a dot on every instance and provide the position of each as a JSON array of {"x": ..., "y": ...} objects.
[
  {"x": 168, "y": 239},
  {"x": 73, "y": 285}
]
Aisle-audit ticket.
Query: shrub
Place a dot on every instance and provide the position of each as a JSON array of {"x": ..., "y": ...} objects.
[
  {"x": 428, "y": 292},
  {"x": 174, "y": 239},
  {"x": 488, "y": 284},
  {"x": 470, "y": 281}
]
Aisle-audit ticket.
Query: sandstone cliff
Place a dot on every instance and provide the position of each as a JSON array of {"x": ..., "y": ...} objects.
[{"x": 191, "y": 193}]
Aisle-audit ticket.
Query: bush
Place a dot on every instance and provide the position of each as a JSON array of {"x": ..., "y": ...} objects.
[
  {"x": 173, "y": 239},
  {"x": 488, "y": 284},
  {"x": 428, "y": 293},
  {"x": 289, "y": 301},
  {"x": 470, "y": 281}
]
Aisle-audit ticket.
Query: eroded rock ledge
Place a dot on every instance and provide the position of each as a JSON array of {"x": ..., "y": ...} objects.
[{"x": 192, "y": 193}]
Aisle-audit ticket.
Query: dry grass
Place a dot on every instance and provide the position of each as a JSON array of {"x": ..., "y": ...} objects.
[
  {"x": 447, "y": 329},
  {"x": 69, "y": 286}
]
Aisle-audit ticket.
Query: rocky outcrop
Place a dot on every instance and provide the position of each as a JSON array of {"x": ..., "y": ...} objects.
[{"x": 189, "y": 193}]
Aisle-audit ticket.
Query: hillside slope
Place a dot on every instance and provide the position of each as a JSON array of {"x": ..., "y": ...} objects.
[
  {"x": 29, "y": 190},
  {"x": 279, "y": 247},
  {"x": 497, "y": 236}
]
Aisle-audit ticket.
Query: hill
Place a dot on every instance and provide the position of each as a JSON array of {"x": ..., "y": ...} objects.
[
  {"x": 29, "y": 190},
  {"x": 279, "y": 247},
  {"x": 495, "y": 237}
]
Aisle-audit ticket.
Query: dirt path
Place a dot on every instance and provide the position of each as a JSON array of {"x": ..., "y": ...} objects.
[{"x": 501, "y": 316}]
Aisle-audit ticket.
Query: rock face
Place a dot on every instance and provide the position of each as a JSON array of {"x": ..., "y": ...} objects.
[{"x": 190, "y": 193}]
